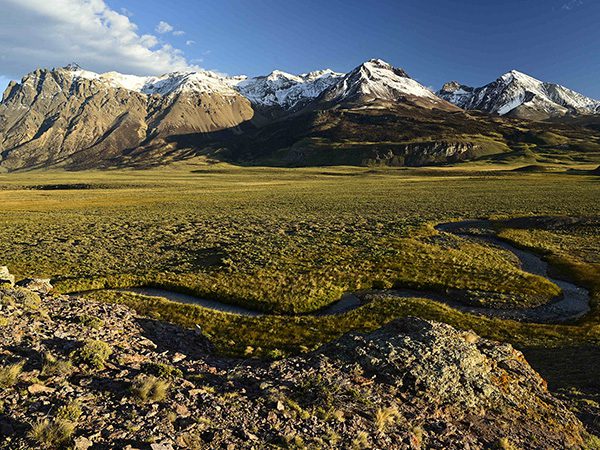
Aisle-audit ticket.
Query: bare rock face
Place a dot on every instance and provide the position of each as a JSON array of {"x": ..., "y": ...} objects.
[
  {"x": 424, "y": 153},
  {"x": 56, "y": 117},
  {"x": 489, "y": 384}
]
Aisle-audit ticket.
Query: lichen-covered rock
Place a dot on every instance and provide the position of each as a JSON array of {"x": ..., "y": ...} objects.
[
  {"x": 412, "y": 384},
  {"x": 440, "y": 366}
]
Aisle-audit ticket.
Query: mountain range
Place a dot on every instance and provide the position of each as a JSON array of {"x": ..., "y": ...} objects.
[
  {"x": 375, "y": 114},
  {"x": 519, "y": 95}
]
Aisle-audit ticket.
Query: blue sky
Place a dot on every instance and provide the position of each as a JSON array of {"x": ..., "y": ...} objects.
[{"x": 472, "y": 41}]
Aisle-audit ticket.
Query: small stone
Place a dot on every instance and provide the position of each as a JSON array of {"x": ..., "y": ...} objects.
[
  {"x": 182, "y": 410},
  {"x": 6, "y": 277},
  {"x": 471, "y": 338},
  {"x": 82, "y": 443},
  {"x": 40, "y": 389},
  {"x": 161, "y": 446},
  {"x": 280, "y": 406},
  {"x": 178, "y": 357}
]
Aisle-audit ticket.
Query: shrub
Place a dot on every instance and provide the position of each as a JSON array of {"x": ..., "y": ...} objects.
[
  {"x": 385, "y": 417},
  {"x": 71, "y": 411},
  {"x": 93, "y": 353},
  {"x": 91, "y": 321},
  {"x": 9, "y": 375},
  {"x": 52, "y": 433},
  {"x": 162, "y": 370},
  {"x": 149, "y": 388},
  {"x": 53, "y": 366}
]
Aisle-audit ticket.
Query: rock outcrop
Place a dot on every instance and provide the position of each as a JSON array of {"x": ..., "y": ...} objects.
[
  {"x": 424, "y": 153},
  {"x": 107, "y": 378}
]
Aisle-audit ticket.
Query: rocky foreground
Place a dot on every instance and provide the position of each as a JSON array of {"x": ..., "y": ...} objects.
[{"x": 84, "y": 375}]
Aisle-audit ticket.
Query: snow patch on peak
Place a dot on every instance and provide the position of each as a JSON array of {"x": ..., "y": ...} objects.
[
  {"x": 167, "y": 84},
  {"x": 519, "y": 77},
  {"x": 378, "y": 63},
  {"x": 285, "y": 90},
  {"x": 310, "y": 76},
  {"x": 516, "y": 89},
  {"x": 376, "y": 79}
]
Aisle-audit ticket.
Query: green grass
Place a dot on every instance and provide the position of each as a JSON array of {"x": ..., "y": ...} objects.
[
  {"x": 287, "y": 241},
  {"x": 281, "y": 240}
]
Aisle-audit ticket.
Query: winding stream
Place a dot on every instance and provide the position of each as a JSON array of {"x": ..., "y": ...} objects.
[{"x": 573, "y": 304}]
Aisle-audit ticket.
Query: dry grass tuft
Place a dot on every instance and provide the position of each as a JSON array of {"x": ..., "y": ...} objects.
[{"x": 149, "y": 389}]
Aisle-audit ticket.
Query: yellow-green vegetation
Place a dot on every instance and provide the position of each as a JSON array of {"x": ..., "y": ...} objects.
[
  {"x": 385, "y": 417},
  {"x": 9, "y": 374},
  {"x": 27, "y": 299},
  {"x": 162, "y": 370},
  {"x": 53, "y": 366},
  {"x": 148, "y": 388},
  {"x": 287, "y": 241},
  {"x": 93, "y": 353},
  {"x": 71, "y": 411},
  {"x": 233, "y": 333},
  {"x": 53, "y": 433},
  {"x": 91, "y": 321}
]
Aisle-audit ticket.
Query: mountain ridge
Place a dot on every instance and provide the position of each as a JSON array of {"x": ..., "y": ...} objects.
[
  {"x": 520, "y": 95},
  {"x": 71, "y": 117}
]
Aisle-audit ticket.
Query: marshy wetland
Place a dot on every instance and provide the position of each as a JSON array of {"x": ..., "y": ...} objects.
[{"x": 290, "y": 242}]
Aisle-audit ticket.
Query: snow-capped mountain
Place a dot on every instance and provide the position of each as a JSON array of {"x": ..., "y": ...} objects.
[
  {"x": 204, "y": 82},
  {"x": 286, "y": 90},
  {"x": 277, "y": 90},
  {"x": 520, "y": 95},
  {"x": 70, "y": 116},
  {"x": 376, "y": 80}
]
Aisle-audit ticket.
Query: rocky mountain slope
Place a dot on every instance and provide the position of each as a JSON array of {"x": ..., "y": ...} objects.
[
  {"x": 375, "y": 114},
  {"x": 69, "y": 116},
  {"x": 91, "y": 375},
  {"x": 281, "y": 92},
  {"x": 516, "y": 94},
  {"x": 376, "y": 80}
]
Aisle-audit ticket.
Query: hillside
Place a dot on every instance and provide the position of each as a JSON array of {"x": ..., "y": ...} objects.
[
  {"x": 97, "y": 375},
  {"x": 74, "y": 118}
]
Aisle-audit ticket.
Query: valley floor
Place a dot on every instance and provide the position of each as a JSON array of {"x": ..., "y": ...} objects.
[{"x": 289, "y": 242}]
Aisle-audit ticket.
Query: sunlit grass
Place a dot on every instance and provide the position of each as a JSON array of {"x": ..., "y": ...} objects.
[{"x": 288, "y": 241}]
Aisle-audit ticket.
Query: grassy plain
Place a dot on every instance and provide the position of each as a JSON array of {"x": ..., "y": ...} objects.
[{"x": 289, "y": 241}]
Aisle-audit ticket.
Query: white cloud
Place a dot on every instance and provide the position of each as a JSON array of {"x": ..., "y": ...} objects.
[
  {"x": 39, "y": 33},
  {"x": 163, "y": 27},
  {"x": 190, "y": 42},
  {"x": 178, "y": 33}
]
